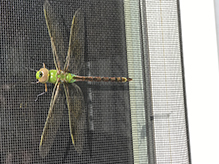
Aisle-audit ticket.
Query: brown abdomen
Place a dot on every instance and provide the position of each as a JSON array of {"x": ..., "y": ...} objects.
[{"x": 105, "y": 79}]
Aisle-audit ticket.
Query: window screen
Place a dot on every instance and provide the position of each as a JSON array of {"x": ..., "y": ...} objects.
[
  {"x": 155, "y": 33},
  {"x": 141, "y": 121}
]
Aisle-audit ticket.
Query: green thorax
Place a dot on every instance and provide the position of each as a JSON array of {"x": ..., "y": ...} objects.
[{"x": 62, "y": 76}]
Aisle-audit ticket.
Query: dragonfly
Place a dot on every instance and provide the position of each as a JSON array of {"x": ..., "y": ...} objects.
[{"x": 62, "y": 77}]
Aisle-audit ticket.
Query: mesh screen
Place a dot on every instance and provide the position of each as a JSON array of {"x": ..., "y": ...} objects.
[
  {"x": 167, "y": 88},
  {"x": 25, "y": 45},
  {"x": 157, "y": 94},
  {"x": 143, "y": 121}
]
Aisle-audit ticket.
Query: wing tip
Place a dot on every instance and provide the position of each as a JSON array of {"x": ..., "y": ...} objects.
[
  {"x": 43, "y": 153},
  {"x": 72, "y": 138}
]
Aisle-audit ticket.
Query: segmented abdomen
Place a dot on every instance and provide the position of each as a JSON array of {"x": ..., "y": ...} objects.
[{"x": 105, "y": 79}]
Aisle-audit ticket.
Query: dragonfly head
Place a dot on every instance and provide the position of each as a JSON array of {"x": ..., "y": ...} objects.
[{"x": 42, "y": 75}]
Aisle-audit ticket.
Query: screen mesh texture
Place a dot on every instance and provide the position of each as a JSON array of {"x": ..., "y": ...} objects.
[{"x": 25, "y": 45}]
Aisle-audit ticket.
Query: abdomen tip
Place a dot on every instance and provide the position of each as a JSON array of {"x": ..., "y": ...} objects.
[{"x": 129, "y": 79}]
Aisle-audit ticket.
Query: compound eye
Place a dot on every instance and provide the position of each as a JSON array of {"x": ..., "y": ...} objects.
[{"x": 40, "y": 74}]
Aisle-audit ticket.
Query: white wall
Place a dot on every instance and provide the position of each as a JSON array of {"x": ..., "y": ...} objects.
[{"x": 202, "y": 78}]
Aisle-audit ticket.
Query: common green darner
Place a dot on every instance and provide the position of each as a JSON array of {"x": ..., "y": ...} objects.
[{"x": 61, "y": 75}]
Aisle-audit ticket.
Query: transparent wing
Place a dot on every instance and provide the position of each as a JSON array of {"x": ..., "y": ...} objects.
[
  {"x": 75, "y": 103},
  {"x": 53, "y": 120},
  {"x": 57, "y": 35},
  {"x": 75, "y": 56}
]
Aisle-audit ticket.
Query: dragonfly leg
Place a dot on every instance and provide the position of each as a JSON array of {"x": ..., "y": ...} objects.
[
  {"x": 45, "y": 87},
  {"x": 40, "y": 95},
  {"x": 42, "y": 92}
]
